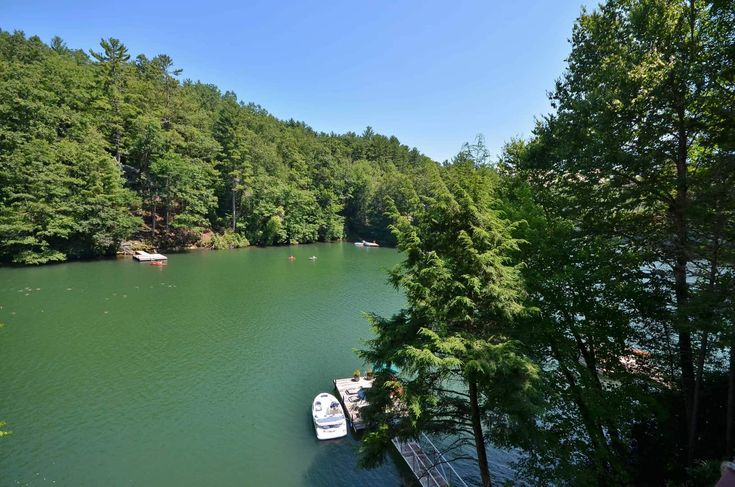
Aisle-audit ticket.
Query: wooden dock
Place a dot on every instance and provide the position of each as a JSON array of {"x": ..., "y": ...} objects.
[
  {"x": 349, "y": 394},
  {"x": 426, "y": 462},
  {"x": 143, "y": 256}
]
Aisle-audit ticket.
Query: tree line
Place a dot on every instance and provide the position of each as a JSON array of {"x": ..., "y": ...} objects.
[
  {"x": 97, "y": 147},
  {"x": 574, "y": 300}
]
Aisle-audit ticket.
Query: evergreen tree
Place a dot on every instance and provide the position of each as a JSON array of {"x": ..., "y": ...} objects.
[
  {"x": 112, "y": 64},
  {"x": 461, "y": 373},
  {"x": 631, "y": 145}
]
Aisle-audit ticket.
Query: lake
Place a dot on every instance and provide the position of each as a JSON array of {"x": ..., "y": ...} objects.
[
  {"x": 198, "y": 373},
  {"x": 201, "y": 372}
]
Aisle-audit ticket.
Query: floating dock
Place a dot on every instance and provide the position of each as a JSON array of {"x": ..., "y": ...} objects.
[
  {"x": 143, "y": 256},
  {"x": 352, "y": 400}
]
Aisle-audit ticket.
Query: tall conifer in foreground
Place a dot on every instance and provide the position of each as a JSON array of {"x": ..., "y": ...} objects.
[{"x": 459, "y": 373}]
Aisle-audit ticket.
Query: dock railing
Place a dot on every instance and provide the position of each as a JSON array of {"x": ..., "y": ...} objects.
[{"x": 428, "y": 464}]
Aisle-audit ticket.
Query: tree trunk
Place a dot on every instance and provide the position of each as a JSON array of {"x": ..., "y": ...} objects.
[
  {"x": 730, "y": 400},
  {"x": 681, "y": 287},
  {"x": 479, "y": 438},
  {"x": 590, "y": 363},
  {"x": 234, "y": 212},
  {"x": 695, "y": 399},
  {"x": 118, "y": 154},
  {"x": 601, "y": 455},
  {"x": 153, "y": 220},
  {"x": 687, "y": 373},
  {"x": 681, "y": 290}
]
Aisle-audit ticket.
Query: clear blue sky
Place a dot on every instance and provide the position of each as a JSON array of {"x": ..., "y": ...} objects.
[{"x": 433, "y": 73}]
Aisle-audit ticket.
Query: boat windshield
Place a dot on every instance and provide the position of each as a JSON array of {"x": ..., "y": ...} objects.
[{"x": 337, "y": 418}]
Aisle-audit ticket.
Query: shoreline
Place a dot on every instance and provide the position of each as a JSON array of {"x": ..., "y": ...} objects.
[{"x": 184, "y": 250}]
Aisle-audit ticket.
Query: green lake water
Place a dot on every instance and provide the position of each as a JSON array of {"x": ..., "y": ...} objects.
[{"x": 198, "y": 373}]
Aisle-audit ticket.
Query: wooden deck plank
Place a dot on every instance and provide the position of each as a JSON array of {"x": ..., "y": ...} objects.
[
  {"x": 420, "y": 464},
  {"x": 352, "y": 408}
]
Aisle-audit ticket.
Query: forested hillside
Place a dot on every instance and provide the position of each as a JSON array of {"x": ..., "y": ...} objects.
[{"x": 100, "y": 146}]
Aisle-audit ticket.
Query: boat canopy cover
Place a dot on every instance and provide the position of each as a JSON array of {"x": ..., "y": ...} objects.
[{"x": 381, "y": 367}]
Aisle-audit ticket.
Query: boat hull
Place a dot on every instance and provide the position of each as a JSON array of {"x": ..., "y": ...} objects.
[{"x": 339, "y": 431}]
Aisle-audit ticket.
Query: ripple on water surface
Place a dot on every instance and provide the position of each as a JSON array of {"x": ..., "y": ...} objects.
[{"x": 201, "y": 372}]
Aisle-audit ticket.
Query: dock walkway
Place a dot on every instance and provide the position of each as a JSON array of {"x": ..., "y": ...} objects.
[{"x": 426, "y": 462}]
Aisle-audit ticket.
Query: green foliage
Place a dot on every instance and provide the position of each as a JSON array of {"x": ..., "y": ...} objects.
[
  {"x": 228, "y": 240},
  {"x": 99, "y": 148},
  {"x": 629, "y": 260},
  {"x": 461, "y": 372},
  {"x": 61, "y": 194},
  {"x": 704, "y": 473},
  {"x": 585, "y": 299}
]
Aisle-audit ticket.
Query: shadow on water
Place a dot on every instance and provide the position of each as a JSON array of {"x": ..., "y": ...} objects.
[{"x": 336, "y": 464}]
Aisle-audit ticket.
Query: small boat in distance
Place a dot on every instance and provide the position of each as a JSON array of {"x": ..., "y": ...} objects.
[
  {"x": 365, "y": 243},
  {"x": 328, "y": 416},
  {"x": 313, "y": 257}
]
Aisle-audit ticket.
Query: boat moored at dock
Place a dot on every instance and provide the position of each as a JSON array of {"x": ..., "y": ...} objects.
[{"x": 329, "y": 419}]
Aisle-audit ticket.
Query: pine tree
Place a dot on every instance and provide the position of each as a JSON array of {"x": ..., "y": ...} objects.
[
  {"x": 460, "y": 373},
  {"x": 113, "y": 63}
]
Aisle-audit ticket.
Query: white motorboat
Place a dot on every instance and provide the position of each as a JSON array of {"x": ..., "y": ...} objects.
[
  {"x": 328, "y": 416},
  {"x": 365, "y": 243}
]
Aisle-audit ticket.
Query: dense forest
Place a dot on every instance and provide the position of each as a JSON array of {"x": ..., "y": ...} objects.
[
  {"x": 97, "y": 147},
  {"x": 572, "y": 299}
]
